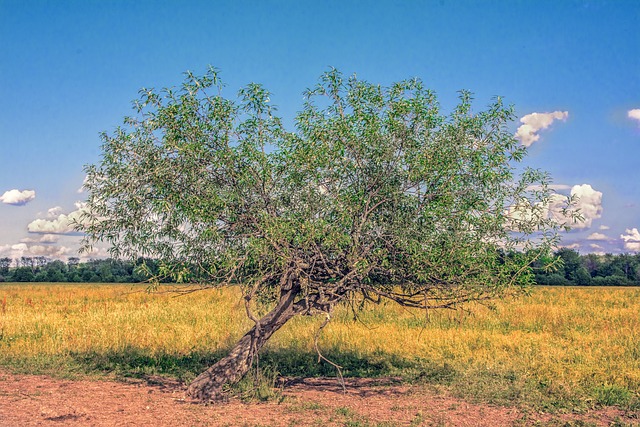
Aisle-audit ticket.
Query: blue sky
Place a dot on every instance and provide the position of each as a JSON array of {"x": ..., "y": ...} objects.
[{"x": 70, "y": 69}]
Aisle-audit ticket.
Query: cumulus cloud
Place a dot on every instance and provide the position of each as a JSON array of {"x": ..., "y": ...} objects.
[
  {"x": 46, "y": 238},
  {"x": 586, "y": 200},
  {"x": 597, "y": 236},
  {"x": 631, "y": 239},
  {"x": 60, "y": 224},
  {"x": 634, "y": 114},
  {"x": 589, "y": 203},
  {"x": 595, "y": 246},
  {"x": 532, "y": 123},
  {"x": 572, "y": 246},
  {"x": 604, "y": 227},
  {"x": 54, "y": 212},
  {"x": 95, "y": 252},
  {"x": 17, "y": 197}
]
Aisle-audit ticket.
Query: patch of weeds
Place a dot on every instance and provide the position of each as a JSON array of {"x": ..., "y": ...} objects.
[
  {"x": 259, "y": 385},
  {"x": 344, "y": 411},
  {"x": 433, "y": 373},
  {"x": 42, "y": 364},
  {"x": 619, "y": 423},
  {"x": 300, "y": 363},
  {"x": 417, "y": 420},
  {"x": 612, "y": 395},
  {"x": 553, "y": 423},
  {"x": 509, "y": 388},
  {"x": 305, "y": 406},
  {"x": 352, "y": 419},
  {"x": 366, "y": 423},
  {"x": 579, "y": 423},
  {"x": 312, "y": 406},
  {"x": 490, "y": 386},
  {"x": 634, "y": 405}
]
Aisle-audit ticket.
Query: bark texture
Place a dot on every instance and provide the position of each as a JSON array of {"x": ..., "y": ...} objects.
[{"x": 208, "y": 385}]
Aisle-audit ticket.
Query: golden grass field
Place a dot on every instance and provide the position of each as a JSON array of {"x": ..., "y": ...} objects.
[{"x": 558, "y": 347}]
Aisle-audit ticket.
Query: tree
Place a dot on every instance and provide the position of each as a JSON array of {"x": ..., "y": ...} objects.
[
  {"x": 56, "y": 271},
  {"x": 374, "y": 195},
  {"x": 592, "y": 263},
  {"x": 23, "y": 274},
  {"x": 582, "y": 277},
  {"x": 29, "y": 262},
  {"x": 571, "y": 262},
  {"x": 5, "y": 263}
]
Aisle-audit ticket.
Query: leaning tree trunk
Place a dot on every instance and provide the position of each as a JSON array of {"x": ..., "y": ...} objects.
[{"x": 231, "y": 368}]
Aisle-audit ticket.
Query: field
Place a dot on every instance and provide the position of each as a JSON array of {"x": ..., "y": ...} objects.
[{"x": 558, "y": 350}]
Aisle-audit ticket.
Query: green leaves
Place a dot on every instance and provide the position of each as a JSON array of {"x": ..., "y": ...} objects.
[{"x": 375, "y": 192}]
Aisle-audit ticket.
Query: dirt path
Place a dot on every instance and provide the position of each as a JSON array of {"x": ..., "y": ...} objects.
[{"x": 28, "y": 400}]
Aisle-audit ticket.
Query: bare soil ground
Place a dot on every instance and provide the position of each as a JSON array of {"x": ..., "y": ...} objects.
[{"x": 29, "y": 400}]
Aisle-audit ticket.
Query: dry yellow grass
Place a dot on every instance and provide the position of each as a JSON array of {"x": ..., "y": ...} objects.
[{"x": 558, "y": 341}]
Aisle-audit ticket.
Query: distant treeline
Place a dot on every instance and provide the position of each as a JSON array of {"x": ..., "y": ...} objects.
[
  {"x": 591, "y": 270},
  {"x": 574, "y": 269},
  {"x": 41, "y": 269}
]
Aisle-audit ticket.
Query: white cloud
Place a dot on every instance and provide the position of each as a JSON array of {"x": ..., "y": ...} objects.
[
  {"x": 46, "y": 238},
  {"x": 17, "y": 197},
  {"x": 95, "y": 252},
  {"x": 82, "y": 189},
  {"x": 62, "y": 224},
  {"x": 589, "y": 202},
  {"x": 559, "y": 187},
  {"x": 557, "y": 202},
  {"x": 54, "y": 212},
  {"x": 22, "y": 249},
  {"x": 534, "y": 122},
  {"x": 631, "y": 239},
  {"x": 634, "y": 114},
  {"x": 595, "y": 246},
  {"x": 597, "y": 236},
  {"x": 572, "y": 246},
  {"x": 604, "y": 227}
]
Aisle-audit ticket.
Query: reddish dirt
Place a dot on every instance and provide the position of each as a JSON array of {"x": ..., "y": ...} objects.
[{"x": 29, "y": 400}]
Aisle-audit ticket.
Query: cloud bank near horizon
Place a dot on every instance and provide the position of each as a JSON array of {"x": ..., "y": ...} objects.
[{"x": 20, "y": 250}]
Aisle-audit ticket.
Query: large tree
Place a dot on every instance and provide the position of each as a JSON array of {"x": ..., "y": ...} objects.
[{"x": 374, "y": 195}]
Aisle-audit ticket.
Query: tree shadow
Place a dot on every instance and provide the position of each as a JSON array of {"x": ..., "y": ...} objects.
[{"x": 174, "y": 370}]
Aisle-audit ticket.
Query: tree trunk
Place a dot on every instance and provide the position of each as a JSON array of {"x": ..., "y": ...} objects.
[{"x": 208, "y": 385}]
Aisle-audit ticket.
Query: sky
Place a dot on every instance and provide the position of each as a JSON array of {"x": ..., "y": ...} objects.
[{"x": 71, "y": 69}]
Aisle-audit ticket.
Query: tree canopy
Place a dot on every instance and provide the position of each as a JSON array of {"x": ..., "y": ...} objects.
[{"x": 374, "y": 195}]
